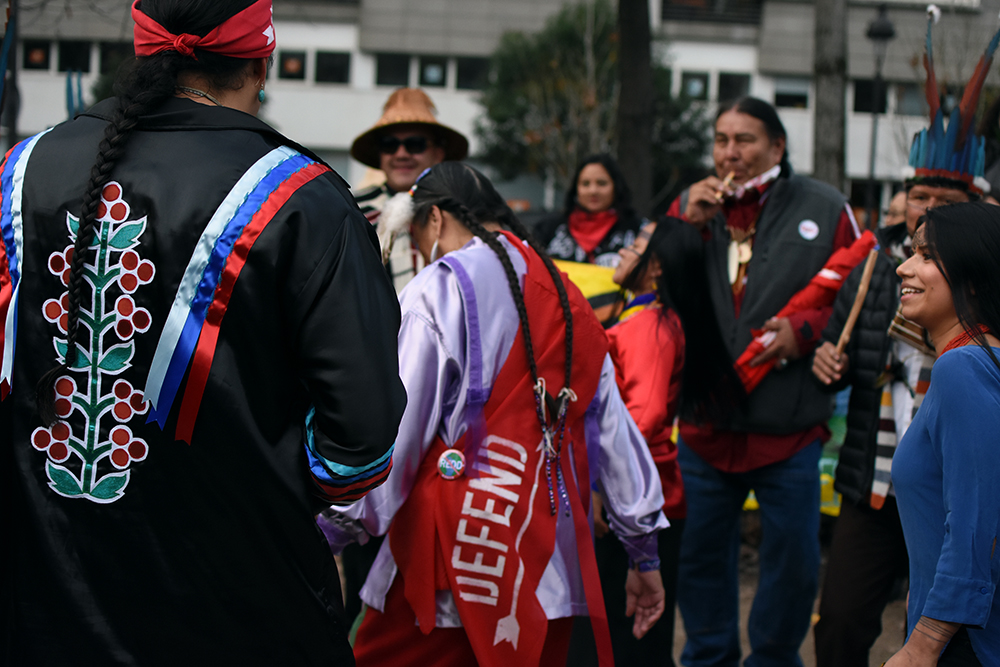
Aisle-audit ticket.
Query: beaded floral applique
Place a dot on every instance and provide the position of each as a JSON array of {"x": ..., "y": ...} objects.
[{"x": 91, "y": 459}]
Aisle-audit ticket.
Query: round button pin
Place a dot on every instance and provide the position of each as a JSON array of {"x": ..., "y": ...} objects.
[
  {"x": 809, "y": 230},
  {"x": 451, "y": 464}
]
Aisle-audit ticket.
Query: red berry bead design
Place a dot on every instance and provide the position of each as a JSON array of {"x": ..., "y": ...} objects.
[
  {"x": 126, "y": 448},
  {"x": 57, "y": 311},
  {"x": 59, "y": 264},
  {"x": 134, "y": 272},
  {"x": 53, "y": 440},
  {"x": 128, "y": 402},
  {"x": 130, "y": 318},
  {"x": 112, "y": 206}
]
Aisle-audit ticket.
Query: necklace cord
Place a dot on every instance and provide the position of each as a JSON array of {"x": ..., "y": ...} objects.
[{"x": 199, "y": 93}]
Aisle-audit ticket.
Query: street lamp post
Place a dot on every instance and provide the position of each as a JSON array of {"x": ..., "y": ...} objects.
[{"x": 880, "y": 32}]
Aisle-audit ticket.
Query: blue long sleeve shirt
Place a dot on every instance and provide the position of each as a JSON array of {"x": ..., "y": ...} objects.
[{"x": 947, "y": 478}]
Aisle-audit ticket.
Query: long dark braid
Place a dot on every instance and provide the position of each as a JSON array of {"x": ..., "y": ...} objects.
[
  {"x": 472, "y": 200},
  {"x": 443, "y": 186},
  {"x": 144, "y": 87},
  {"x": 513, "y": 223}
]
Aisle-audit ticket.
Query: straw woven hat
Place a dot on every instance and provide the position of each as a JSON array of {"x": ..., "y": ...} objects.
[{"x": 408, "y": 106}]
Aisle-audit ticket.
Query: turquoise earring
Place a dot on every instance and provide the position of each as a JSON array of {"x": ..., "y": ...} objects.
[{"x": 260, "y": 96}]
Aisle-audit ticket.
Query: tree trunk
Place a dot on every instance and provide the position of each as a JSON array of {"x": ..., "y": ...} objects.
[
  {"x": 635, "y": 102},
  {"x": 830, "y": 66}
]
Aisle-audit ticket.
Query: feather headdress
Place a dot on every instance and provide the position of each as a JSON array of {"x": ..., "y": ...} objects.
[{"x": 956, "y": 154}]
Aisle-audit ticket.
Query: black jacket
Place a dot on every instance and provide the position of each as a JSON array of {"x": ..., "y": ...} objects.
[
  {"x": 794, "y": 239},
  {"x": 867, "y": 353},
  {"x": 553, "y": 235},
  {"x": 209, "y": 551}
]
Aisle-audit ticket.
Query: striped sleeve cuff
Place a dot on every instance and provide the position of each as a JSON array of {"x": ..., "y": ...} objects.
[{"x": 339, "y": 484}]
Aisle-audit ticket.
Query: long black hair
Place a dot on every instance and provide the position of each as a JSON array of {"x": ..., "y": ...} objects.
[
  {"x": 141, "y": 88},
  {"x": 964, "y": 242},
  {"x": 622, "y": 203},
  {"x": 470, "y": 197},
  {"x": 710, "y": 386},
  {"x": 766, "y": 114}
]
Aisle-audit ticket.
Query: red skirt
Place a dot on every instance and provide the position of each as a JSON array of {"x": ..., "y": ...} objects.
[{"x": 393, "y": 639}]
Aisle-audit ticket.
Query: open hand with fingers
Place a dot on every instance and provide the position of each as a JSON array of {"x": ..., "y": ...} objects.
[{"x": 644, "y": 597}]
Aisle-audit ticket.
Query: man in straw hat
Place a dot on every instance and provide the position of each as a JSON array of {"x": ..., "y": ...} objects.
[{"x": 405, "y": 141}]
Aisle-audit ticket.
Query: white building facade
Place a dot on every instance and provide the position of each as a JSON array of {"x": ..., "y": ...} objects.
[{"x": 337, "y": 61}]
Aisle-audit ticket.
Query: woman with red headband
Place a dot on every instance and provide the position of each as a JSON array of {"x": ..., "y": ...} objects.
[{"x": 199, "y": 353}]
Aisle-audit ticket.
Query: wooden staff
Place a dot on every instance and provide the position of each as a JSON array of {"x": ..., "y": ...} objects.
[{"x": 859, "y": 300}]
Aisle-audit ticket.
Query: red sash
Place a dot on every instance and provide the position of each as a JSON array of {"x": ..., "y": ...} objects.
[{"x": 489, "y": 535}]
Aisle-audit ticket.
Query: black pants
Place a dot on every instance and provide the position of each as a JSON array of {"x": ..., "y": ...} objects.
[
  {"x": 867, "y": 555},
  {"x": 657, "y": 647},
  {"x": 358, "y": 560},
  {"x": 959, "y": 652}
]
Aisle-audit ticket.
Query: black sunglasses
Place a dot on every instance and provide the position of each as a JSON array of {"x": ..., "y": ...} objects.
[{"x": 413, "y": 145}]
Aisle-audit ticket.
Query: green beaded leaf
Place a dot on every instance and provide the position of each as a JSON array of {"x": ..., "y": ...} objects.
[
  {"x": 126, "y": 236},
  {"x": 62, "y": 480},
  {"x": 82, "y": 362},
  {"x": 110, "y": 488},
  {"x": 117, "y": 358},
  {"x": 73, "y": 223}
]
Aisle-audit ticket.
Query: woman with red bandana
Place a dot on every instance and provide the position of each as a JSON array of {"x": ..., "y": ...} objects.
[
  {"x": 173, "y": 269},
  {"x": 597, "y": 219}
]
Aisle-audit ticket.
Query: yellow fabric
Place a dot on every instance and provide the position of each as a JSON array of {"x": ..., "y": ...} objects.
[{"x": 592, "y": 280}]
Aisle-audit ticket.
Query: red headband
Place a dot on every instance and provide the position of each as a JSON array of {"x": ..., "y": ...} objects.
[{"x": 249, "y": 34}]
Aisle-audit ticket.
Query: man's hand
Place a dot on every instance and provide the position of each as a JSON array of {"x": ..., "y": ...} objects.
[
  {"x": 828, "y": 367},
  {"x": 644, "y": 597},
  {"x": 784, "y": 345},
  {"x": 704, "y": 201}
]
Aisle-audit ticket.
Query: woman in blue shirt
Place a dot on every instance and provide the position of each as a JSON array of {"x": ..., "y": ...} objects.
[{"x": 947, "y": 467}]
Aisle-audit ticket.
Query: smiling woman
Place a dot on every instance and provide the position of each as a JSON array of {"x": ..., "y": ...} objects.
[
  {"x": 597, "y": 219},
  {"x": 946, "y": 467}
]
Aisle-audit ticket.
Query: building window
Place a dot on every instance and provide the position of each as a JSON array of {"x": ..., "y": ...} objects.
[
  {"x": 791, "y": 93},
  {"x": 910, "y": 100},
  {"x": 333, "y": 67},
  {"x": 721, "y": 11},
  {"x": 694, "y": 85},
  {"x": 733, "y": 86},
  {"x": 433, "y": 71},
  {"x": 392, "y": 69},
  {"x": 864, "y": 96},
  {"x": 113, "y": 54},
  {"x": 473, "y": 73},
  {"x": 292, "y": 65},
  {"x": 37, "y": 54},
  {"x": 74, "y": 56}
]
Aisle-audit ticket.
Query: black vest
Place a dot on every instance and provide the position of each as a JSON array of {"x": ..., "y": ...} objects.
[{"x": 794, "y": 238}]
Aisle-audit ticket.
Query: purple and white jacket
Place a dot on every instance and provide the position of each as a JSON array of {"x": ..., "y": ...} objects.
[{"x": 434, "y": 345}]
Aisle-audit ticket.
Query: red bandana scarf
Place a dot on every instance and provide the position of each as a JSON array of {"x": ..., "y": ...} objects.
[
  {"x": 589, "y": 229},
  {"x": 248, "y": 34}
]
